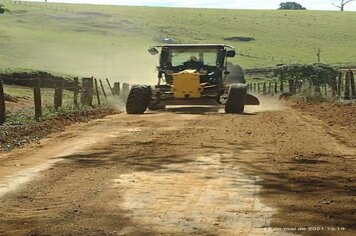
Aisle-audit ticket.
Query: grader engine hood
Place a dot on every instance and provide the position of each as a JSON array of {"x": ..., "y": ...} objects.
[{"x": 186, "y": 84}]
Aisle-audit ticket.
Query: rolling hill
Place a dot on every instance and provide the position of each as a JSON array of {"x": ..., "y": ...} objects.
[{"x": 112, "y": 41}]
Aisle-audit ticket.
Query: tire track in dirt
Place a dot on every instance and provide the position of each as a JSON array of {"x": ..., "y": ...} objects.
[
  {"x": 195, "y": 172},
  {"x": 205, "y": 198}
]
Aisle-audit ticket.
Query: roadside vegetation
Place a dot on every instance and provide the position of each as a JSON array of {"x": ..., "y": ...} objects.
[
  {"x": 21, "y": 127},
  {"x": 21, "y": 109}
]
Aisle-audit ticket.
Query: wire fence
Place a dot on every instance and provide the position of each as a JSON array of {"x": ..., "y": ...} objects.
[
  {"x": 277, "y": 59},
  {"x": 341, "y": 87},
  {"x": 87, "y": 92},
  {"x": 40, "y": 4}
]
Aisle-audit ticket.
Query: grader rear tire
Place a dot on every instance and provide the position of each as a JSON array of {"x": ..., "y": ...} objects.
[
  {"x": 138, "y": 99},
  {"x": 235, "y": 102}
]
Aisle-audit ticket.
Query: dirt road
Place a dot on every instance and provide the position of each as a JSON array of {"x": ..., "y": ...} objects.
[{"x": 185, "y": 171}]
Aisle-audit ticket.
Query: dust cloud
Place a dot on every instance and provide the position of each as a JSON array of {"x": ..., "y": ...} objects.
[
  {"x": 129, "y": 67},
  {"x": 268, "y": 103},
  {"x": 118, "y": 63},
  {"x": 118, "y": 102}
]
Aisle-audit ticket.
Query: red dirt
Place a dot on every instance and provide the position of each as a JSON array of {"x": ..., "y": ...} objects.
[
  {"x": 338, "y": 118},
  {"x": 186, "y": 171},
  {"x": 19, "y": 135}
]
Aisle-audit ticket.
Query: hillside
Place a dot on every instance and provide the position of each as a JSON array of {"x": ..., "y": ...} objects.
[{"x": 111, "y": 41}]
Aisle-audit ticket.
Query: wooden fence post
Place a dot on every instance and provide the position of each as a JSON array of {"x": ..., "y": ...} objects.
[
  {"x": 87, "y": 91},
  {"x": 290, "y": 86},
  {"x": 125, "y": 91},
  {"x": 37, "y": 98},
  {"x": 326, "y": 89},
  {"x": 116, "y": 89},
  {"x": 281, "y": 86},
  {"x": 317, "y": 89},
  {"x": 333, "y": 86},
  {"x": 258, "y": 88},
  {"x": 97, "y": 91},
  {"x": 339, "y": 85},
  {"x": 310, "y": 88},
  {"x": 254, "y": 87},
  {"x": 75, "y": 91},
  {"x": 82, "y": 92},
  {"x": 112, "y": 92},
  {"x": 58, "y": 94},
  {"x": 102, "y": 88},
  {"x": 353, "y": 88},
  {"x": 269, "y": 87},
  {"x": 299, "y": 86},
  {"x": 125, "y": 88},
  {"x": 264, "y": 87},
  {"x": 347, "y": 86},
  {"x": 275, "y": 87},
  {"x": 2, "y": 104}
]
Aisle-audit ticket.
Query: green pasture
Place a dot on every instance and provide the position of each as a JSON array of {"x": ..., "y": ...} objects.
[{"x": 112, "y": 41}]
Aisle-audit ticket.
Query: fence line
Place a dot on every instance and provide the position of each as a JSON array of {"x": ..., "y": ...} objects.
[
  {"x": 37, "y": 4},
  {"x": 87, "y": 91},
  {"x": 2, "y": 104},
  {"x": 341, "y": 87}
]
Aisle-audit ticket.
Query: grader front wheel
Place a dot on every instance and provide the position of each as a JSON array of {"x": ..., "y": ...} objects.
[
  {"x": 235, "y": 102},
  {"x": 138, "y": 99}
]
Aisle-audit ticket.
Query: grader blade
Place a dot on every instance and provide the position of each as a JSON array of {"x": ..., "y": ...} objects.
[{"x": 251, "y": 100}]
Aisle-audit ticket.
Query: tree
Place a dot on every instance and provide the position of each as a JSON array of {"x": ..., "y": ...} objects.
[
  {"x": 290, "y": 6},
  {"x": 3, "y": 9},
  {"x": 342, "y": 4}
]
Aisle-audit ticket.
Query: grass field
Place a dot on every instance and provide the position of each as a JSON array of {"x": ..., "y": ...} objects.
[{"x": 112, "y": 41}]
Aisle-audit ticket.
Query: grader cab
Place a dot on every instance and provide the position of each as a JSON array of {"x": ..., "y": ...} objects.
[{"x": 191, "y": 74}]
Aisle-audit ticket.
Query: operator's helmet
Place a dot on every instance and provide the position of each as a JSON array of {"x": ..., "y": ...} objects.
[{"x": 193, "y": 58}]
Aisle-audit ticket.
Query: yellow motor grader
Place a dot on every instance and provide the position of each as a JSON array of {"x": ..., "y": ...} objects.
[{"x": 191, "y": 74}]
